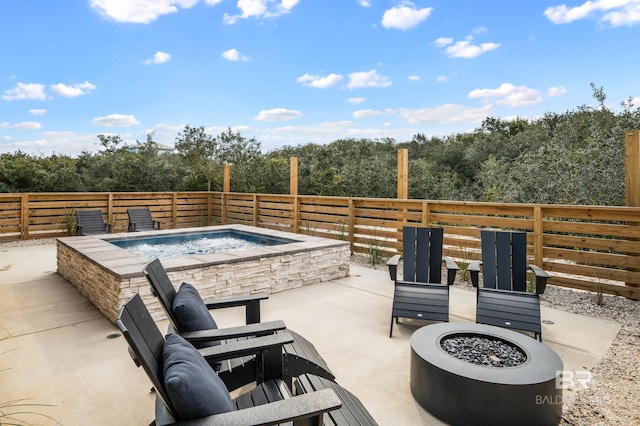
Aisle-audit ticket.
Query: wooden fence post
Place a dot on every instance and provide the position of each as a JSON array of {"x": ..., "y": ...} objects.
[
  {"x": 227, "y": 178},
  {"x": 403, "y": 174},
  {"x": 632, "y": 168},
  {"x": 538, "y": 232},
  {"x": 24, "y": 216},
  {"x": 293, "y": 176},
  {"x": 632, "y": 179},
  {"x": 174, "y": 211}
]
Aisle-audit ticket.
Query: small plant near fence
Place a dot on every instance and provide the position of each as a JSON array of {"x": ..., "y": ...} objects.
[{"x": 70, "y": 222}]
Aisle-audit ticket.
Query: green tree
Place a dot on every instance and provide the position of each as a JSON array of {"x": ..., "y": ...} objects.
[{"x": 199, "y": 150}]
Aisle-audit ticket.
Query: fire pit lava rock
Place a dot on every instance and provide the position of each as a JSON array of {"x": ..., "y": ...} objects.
[{"x": 468, "y": 374}]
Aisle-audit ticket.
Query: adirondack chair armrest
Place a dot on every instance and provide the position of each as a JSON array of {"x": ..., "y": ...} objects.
[
  {"x": 541, "y": 278},
  {"x": 452, "y": 269},
  {"x": 392, "y": 264},
  {"x": 474, "y": 272},
  {"x": 251, "y": 304},
  {"x": 260, "y": 329},
  {"x": 309, "y": 406},
  {"x": 245, "y": 347}
]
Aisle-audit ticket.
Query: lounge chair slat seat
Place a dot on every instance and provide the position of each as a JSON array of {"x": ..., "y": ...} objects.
[
  {"x": 503, "y": 300},
  {"x": 140, "y": 219},
  {"x": 420, "y": 293},
  {"x": 91, "y": 222},
  {"x": 299, "y": 356}
]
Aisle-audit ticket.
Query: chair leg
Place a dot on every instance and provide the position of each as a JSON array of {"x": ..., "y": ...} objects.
[{"x": 391, "y": 328}]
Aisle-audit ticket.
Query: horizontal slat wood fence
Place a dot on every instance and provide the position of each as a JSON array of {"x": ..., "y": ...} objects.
[{"x": 593, "y": 248}]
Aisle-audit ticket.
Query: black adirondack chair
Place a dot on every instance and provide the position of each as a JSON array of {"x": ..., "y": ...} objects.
[
  {"x": 188, "y": 391},
  {"x": 299, "y": 357},
  {"x": 420, "y": 294},
  {"x": 503, "y": 300},
  {"x": 91, "y": 222},
  {"x": 140, "y": 220}
]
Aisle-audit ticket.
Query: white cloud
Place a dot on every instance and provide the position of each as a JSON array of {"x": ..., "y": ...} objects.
[
  {"x": 635, "y": 100},
  {"x": 441, "y": 78},
  {"x": 368, "y": 79},
  {"x": 364, "y": 3},
  {"x": 464, "y": 49},
  {"x": 364, "y": 113},
  {"x": 448, "y": 113},
  {"x": 234, "y": 55},
  {"x": 479, "y": 30},
  {"x": 443, "y": 41},
  {"x": 509, "y": 95},
  {"x": 320, "y": 82},
  {"x": 614, "y": 12},
  {"x": 278, "y": 114},
  {"x": 260, "y": 9},
  {"x": 212, "y": 2},
  {"x": 37, "y": 111},
  {"x": 404, "y": 16},
  {"x": 27, "y": 125},
  {"x": 116, "y": 120},
  {"x": 355, "y": 101},
  {"x": 25, "y": 91},
  {"x": 556, "y": 91},
  {"x": 414, "y": 78},
  {"x": 140, "y": 11},
  {"x": 158, "y": 58},
  {"x": 79, "y": 89}
]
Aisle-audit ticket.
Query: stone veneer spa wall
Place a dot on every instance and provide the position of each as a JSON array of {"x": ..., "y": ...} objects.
[{"x": 108, "y": 275}]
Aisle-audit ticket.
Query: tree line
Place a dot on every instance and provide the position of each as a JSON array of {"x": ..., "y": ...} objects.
[{"x": 575, "y": 157}]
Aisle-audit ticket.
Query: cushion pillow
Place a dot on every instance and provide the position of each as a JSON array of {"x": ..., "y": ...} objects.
[
  {"x": 191, "y": 312},
  {"x": 193, "y": 388}
]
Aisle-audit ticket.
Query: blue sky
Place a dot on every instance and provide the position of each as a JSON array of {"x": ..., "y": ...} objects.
[{"x": 289, "y": 72}]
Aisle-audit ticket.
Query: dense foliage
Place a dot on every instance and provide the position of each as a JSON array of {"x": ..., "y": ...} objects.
[{"x": 576, "y": 158}]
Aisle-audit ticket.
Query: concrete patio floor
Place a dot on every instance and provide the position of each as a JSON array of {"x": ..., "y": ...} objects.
[{"x": 58, "y": 351}]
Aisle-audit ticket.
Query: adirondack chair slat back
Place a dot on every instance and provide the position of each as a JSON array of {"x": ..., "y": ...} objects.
[
  {"x": 140, "y": 219},
  {"x": 422, "y": 254},
  {"x": 145, "y": 341},
  {"x": 90, "y": 221},
  {"x": 504, "y": 260},
  {"x": 162, "y": 287}
]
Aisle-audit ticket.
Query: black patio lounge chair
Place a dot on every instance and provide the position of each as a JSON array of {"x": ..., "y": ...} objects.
[
  {"x": 503, "y": 300},
  {"x": 91, "y": 222},
  {"x": 140, "y": 220},
  {"x": 190, "y": 317},
  {"x": 420, "y": 294},
  {"x": 188, "y": 391}
]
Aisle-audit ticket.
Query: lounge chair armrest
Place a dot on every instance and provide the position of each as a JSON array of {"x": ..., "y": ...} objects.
[
  {"x": 156, "y": 224},
  {"x": 474, "y": 272},
  {"x": 245, "y": 347},
  {"x": 306, "y": 406},
  {"x": 260, "y": 329},
  {"x": 452, "y": 270},
  {"x": 78, "y": 229},
  {"x": 251, "y": 304},
  {"x": 541, "y": 278},
  {"x": 392, "y": 264},
  {"x": 107, "y": 227}
]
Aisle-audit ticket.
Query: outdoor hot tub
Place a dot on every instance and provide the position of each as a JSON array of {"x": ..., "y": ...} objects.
[{"x": 108, "y": 272}]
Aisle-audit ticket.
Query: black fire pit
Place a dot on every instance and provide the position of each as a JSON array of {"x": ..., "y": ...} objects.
[{"x": 470, "y": 374}]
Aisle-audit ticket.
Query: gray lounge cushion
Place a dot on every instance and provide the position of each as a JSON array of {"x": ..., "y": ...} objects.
[
  {"x": 194, "y": 389},
  {"x": 191, "y": 312}
]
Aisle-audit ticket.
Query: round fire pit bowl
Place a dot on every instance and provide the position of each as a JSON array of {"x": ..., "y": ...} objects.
[{"x": 513, "y": 382}]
